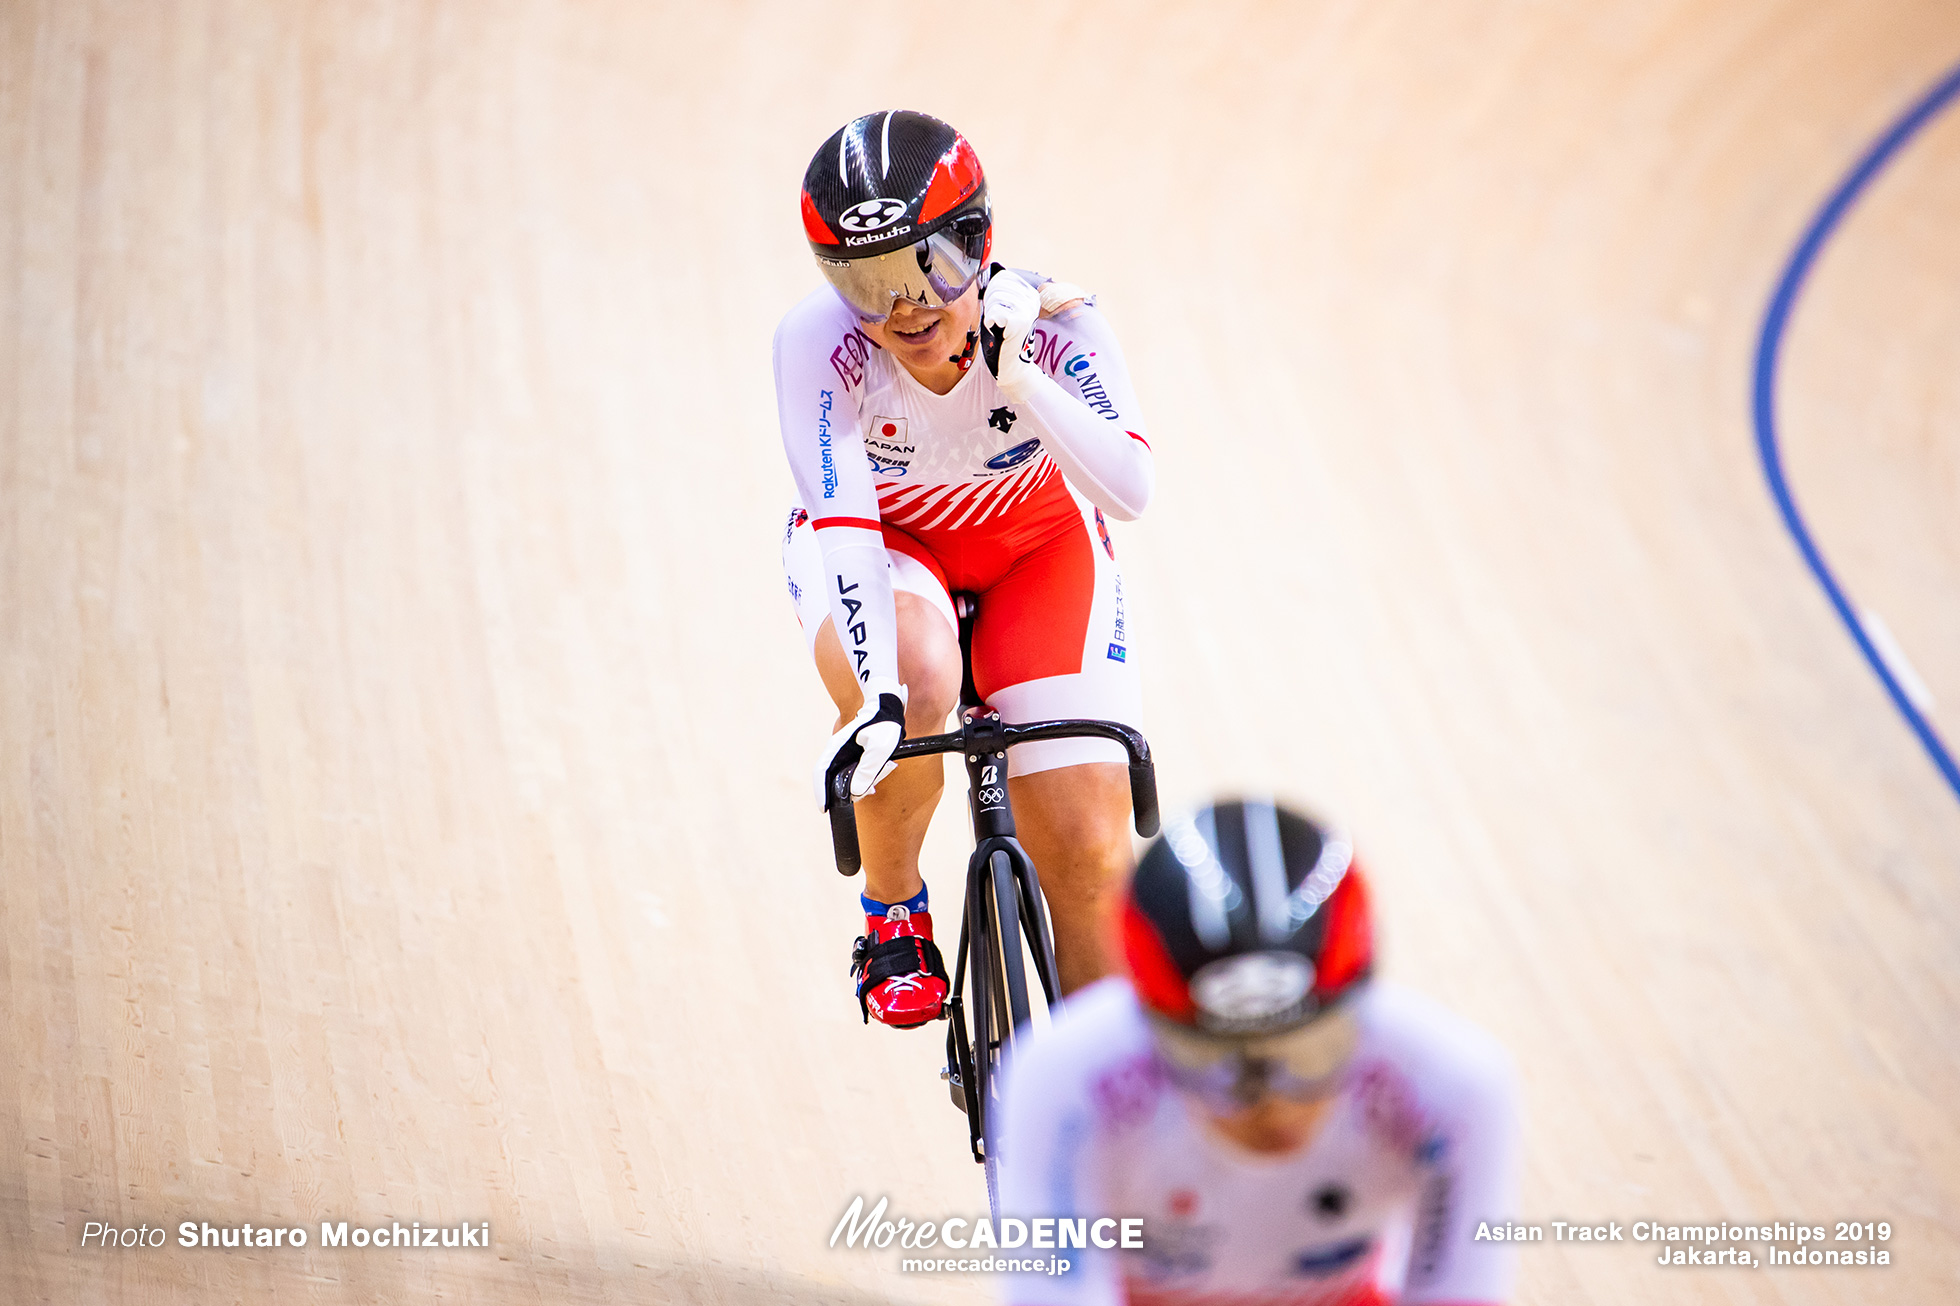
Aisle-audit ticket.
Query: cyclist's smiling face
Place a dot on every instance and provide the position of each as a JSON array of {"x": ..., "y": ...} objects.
[{"x": 926, "y": 340}]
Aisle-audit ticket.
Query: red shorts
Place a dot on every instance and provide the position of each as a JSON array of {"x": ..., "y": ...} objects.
[{"x": 1051, "y": 638}]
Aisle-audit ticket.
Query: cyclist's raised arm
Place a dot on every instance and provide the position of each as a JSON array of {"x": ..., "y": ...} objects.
[
  {"x": 820, "y": 359},
  {"x": 1072, "y": 377}
]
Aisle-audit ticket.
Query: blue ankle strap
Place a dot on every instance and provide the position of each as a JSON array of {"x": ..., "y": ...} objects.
[{"x": 915, "y": 904}]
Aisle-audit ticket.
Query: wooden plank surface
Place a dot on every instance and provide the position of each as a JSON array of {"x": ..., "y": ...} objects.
[{"x": 403, "y": 732}]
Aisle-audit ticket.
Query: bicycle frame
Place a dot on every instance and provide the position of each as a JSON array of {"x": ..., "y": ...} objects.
[{"x": 1002, "y": 886}]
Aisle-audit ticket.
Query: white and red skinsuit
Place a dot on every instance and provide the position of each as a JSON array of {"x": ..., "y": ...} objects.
[{"x": 903, "y": 489}]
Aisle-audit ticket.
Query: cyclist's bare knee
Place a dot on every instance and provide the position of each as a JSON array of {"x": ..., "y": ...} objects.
[
  {"x": 1084, "y": 809},
  {"x": 928, "y": 664}
]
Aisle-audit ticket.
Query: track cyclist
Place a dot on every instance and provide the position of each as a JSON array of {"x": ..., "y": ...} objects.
[
  {"x": 920, "y": 474},
  {"x": 1291, "y": 1132}
]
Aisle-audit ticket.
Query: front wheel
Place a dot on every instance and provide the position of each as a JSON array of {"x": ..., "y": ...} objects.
[
  {"x": 1014, "y": 974},
  {"x": 1000, "y": 986},
  {"x": 1000, "y": 1007}
]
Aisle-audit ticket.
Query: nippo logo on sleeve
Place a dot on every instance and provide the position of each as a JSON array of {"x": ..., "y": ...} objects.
[{"x": 871, "y": 215}]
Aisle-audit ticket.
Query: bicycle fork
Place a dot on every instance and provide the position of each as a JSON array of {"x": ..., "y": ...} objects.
[{"x": 996, "y": 852}]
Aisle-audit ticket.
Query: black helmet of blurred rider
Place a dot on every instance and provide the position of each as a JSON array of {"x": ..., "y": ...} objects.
[{"x": 1247, "y": 934}]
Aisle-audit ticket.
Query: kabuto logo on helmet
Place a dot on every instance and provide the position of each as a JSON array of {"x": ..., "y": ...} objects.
[
  {"x": 1252, "y": 992},
  {"x": 871, "y": 215}
]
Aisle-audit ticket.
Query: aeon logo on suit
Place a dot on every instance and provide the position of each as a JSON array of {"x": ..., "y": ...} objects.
[{"x": 871, "y": 215}]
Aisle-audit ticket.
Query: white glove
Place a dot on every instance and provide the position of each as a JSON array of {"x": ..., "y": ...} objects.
[
  {"x": 866, "y": 742},
  {"x": 1007, "y": 315}
]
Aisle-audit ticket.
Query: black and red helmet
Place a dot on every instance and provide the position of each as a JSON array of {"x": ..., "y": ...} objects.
[
  {"x": 895, "y": 206},
  {"x": 1246, "y": 920}
]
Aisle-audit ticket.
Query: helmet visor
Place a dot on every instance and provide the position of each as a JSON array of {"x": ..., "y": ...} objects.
[
  {"x": 934, "y": 272},
  {"x": 1229, "y": 1073}
]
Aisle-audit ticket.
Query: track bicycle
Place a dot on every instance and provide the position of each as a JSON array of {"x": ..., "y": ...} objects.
[{"x": 1004, "y": 908}]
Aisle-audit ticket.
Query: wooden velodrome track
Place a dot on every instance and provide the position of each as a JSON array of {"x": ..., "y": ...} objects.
[{"x": 403, "y": 733}]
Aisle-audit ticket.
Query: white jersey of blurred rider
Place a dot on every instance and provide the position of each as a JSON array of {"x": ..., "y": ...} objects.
[{"x": 1382, "y": 1206}]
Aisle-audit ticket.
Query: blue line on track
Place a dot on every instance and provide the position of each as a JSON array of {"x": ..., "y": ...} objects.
[{"x": 1768, "y": 348}]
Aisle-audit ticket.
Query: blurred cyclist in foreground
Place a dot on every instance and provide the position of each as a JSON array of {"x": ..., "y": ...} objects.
[{"x": 1289, "y": 1131}]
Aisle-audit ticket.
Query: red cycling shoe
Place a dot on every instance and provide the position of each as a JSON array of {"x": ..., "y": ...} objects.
[{"x": 901, "y": 976}]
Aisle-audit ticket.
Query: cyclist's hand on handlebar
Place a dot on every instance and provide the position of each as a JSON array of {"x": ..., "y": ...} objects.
[
  {"x": 1007, "y": 315},
  {"x": 867, "y": 741}
]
